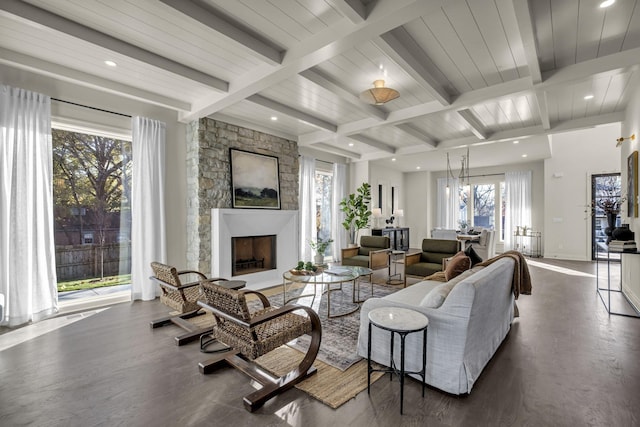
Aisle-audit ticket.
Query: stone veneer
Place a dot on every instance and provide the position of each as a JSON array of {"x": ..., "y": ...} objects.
[{"x": 209, "y": 177}]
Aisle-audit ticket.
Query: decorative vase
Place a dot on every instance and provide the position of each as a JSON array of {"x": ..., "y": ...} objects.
[
  {"x": 623, "y": 233},
  {"x": 318, "y": 259},
  {"x": 611, "y": 224}
]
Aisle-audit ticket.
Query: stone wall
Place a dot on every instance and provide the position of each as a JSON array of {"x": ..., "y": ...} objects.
[{"x": 209, "y": 177}]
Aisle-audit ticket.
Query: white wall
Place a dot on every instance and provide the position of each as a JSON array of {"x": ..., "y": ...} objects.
[
  {"x": 576, "y": 156},
  {"x": 537, "y": 196},
  {"x": 419, "y": 198},
  {"x": 175, "y": 199},
  {"x": 631, "y": 263},
  {"x": 388, "y": 179}
]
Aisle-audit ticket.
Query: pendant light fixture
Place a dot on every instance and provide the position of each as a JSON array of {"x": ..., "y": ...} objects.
[{"x": 379, "y": 94}]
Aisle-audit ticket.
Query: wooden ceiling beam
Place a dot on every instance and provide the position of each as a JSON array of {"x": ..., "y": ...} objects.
[
  {"x": 229, "y": 29},
  {"x": 82, "y": 32}
]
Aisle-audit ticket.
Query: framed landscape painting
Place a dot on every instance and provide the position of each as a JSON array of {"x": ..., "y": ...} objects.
[
  {"x": 255, "y": 180},
  {"x": 632, "y": 185}
]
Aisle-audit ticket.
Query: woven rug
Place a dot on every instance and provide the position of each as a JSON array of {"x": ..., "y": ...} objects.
[
  {"x": 329, "y": 385},
  {"x": 339, "y": 334}
]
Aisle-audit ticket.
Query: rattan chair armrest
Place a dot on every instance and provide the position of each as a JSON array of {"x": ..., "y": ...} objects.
[
  {"x": 263, "y": 299},
  {"x": 164, "y": 284},
  {"x": 284, "y": 310},
  {"x": 379, "y": 259},
  {"x": 413, "y": 258},
  {"x": 202, "y": 276},
  {"x": 223, "y": 314},
  {"x": 350, "y": 252}
]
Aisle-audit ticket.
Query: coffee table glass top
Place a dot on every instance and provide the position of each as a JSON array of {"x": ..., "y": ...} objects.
[{"x": 348, "y": 273}]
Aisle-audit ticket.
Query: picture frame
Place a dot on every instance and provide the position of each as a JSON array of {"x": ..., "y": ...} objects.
[
  {"x": 255, "y": 180},
  {"x": 632, "y": 185}
]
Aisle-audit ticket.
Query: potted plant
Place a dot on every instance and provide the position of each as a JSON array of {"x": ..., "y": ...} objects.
[
  {"x": 356, "y": 211},
  {"x": 320, "y": 247}
]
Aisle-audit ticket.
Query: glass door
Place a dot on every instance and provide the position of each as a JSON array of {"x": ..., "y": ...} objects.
[{"x": 605, "y": 195}]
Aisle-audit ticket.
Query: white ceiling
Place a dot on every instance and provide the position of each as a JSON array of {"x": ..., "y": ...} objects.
[{"x": 476, "y": 73}]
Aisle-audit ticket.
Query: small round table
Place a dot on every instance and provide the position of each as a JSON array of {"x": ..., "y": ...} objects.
[{"x": 401, "y": 321}]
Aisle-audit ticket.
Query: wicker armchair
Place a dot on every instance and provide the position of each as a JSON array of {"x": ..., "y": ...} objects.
[
  {"x": 250, "y": 335},
  {"x": 182, "y": 298}
]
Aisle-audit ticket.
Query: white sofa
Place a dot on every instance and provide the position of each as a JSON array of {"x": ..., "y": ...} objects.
[{"x": 464, "y": 332}]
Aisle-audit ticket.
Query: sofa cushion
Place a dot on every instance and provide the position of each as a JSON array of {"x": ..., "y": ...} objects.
[
  {"x": 423, "y": 269},
  {"x": 441, "y": 292},
  {"x": 457, "y": 265},
  {"x": 473, "y": 255},
  {"x": 358, "y": 261}
]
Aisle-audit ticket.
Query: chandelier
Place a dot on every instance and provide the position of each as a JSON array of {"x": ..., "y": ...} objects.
[
  {"x": 464, "y": 170},
  {"x": 379, "y": 94}
]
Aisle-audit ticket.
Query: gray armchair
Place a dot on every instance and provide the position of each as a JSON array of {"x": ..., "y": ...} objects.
[
  {"x": 430, "y": 260},
  {"x": 486, "y": 246},
  {"x": 373, "y": 253}
]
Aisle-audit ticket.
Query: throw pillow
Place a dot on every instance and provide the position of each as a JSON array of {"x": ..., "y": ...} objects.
[
  {"x": 456, "y": 265},
  {"x": 435, "y": 298},
  {"x": 473, "y": 255}
]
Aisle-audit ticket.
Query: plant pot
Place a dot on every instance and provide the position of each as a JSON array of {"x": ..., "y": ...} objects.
[
  {"x": 318, "y": 259},
  {"x": 623, "y": 233},
  {"x": 611, "y": 224}
]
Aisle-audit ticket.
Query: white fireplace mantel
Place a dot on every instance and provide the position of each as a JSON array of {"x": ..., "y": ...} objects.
[{"x": 228, "y": 223}]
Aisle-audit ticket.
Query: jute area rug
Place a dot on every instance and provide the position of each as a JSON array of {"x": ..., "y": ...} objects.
[{"x": 342, "y": 374}]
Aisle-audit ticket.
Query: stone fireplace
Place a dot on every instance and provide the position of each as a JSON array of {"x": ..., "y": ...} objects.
[{"x": 248, "y": 230}]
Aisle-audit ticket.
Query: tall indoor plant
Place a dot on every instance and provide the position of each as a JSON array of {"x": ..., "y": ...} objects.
[{"x": 356, "y": 211}]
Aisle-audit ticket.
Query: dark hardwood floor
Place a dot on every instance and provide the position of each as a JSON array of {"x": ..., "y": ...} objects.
[{"x": 565, "y": 362}]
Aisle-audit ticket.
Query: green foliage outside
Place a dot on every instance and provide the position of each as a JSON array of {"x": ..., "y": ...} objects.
[{"x": 78, "y": 285}]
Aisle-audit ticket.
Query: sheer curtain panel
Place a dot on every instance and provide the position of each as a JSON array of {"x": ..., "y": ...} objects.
[
  {"x": 338, "y": 233},
  {"x": 148, "y": 241},
  {"x": 307, "y": 203},
  {"x": 448, "y": 212},
  {"x": 27, "y": 252},
  {"x": 517, "y": 188}
]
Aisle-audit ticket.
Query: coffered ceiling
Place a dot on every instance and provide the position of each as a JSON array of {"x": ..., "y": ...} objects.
[{"x": 478, "y": 73}]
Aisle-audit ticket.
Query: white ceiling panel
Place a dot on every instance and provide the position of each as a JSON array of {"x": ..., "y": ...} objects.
[{"x": 462, "y": 67}]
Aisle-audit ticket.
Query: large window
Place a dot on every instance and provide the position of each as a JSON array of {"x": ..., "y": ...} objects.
[
  {"x": 478, "y": 203},
  {"x": 324, "y": 185},
  {"x": 92, "y": 214}
]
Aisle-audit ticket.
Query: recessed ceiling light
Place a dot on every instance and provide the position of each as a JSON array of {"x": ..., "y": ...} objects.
[
  {"x": 418, "y": 167},
  {"x": 393, "y": 160},
  {"x": 586, "y": 97},
  {"x": 524, "y": 155},
  {"x": 607, "y": 3},
  {"x": 110, "y": 63},
  {"x": 274, "y": 118},
  {"x": 516, "y": 142},
  {"x": 351, "y": 144}
]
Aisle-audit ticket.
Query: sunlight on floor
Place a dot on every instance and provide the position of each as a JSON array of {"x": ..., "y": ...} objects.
[
  {"x": 25, "y": 333},
  {"x": 562, "y": 270}
]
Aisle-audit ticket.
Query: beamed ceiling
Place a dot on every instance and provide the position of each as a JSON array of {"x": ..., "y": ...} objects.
[{"x": 478, "y": 73}]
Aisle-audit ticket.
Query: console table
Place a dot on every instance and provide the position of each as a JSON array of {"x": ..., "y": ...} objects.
[
  {"x": 398, "y": 237},
  {"x": 606, "y": 299}
]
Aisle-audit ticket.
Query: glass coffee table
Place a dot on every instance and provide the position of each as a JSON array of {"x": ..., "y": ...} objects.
[{"x": 331, "y": 276}]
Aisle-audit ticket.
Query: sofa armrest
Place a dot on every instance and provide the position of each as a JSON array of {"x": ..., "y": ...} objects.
[
  {"x": 413, "y": 258},
  {"x": 350, "y": 252},
  {"x": 379, "y": 259}
]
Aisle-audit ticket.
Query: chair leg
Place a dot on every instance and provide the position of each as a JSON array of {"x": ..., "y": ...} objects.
[
  {"x": 217, "y": 362},
  {"x": 258, "y": 398},
  {"x": 163, "y": 321}
]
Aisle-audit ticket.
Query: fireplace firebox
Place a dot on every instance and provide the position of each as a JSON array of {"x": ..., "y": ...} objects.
[{"x": 251, "y": 254}]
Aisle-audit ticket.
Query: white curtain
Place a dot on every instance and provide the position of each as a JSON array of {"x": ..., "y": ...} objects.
[
  {"x": 27, "y": 252},
  {"x": 517, "y": 188},
  {"x": 338, "y": 233},
  {"x": 448, "y": 212},
  {"x": 307, "y": 206},
  {"x": 148, "y": 241}
]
